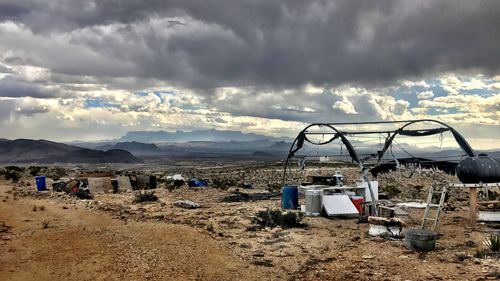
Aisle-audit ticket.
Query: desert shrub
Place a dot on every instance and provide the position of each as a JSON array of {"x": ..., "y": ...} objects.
[
  {"x": 14, "y": 168},
  {"x": 34, "y": 170},
  {"x": 45, "y": 224},
  {"x": 492, "y": 248},
  {"x": 223, "y": 183},
  {"x": 276, "y": 217},
  {"x": 12, "y": 173},
  {"x": 493, "y": 243},
  {"x": 391, "y": 190},
  {"x": 57, "y": 173},
  {"x": 146, "y": 196},
  {"x": 274, "y": 186}
]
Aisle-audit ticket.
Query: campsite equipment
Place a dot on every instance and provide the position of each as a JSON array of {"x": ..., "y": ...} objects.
[
  {"x": 152, "y": 182},
  {"x": 386, "y": 227},
  {"x": 420, "y": 239},
  {"x": 40, "y": 183},
  {"x": 338, "y": 204},
  {"x": 124, "y": 183},
  {"x": 194, "y": 182},
  {"x": 143, "y": 182},
  {"x": 358, "y": 203},
  {"x": 59, "y": 186},
  {"x": 100, "y": 185},
  {"x": 435, "y": 189},
  {"x": 313, "y": 202},
  {"x": 479, "y": 169},
  {"x": 289, "y": 197}
]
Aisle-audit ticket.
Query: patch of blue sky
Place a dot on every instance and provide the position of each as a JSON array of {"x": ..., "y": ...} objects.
[
  {"x": 435, "y": 111},
  {"x": 434, "y": 82},
  {"x": 408, "y": 94},
  {"x": 479, "y": 92},
  {"x": 162, "y": 94},
  {"x": 141, "y": 94},
  {"x": 98, "y": 103},
  {"x": 438, "y": 91},
  {"x": 192, "y": 106}
]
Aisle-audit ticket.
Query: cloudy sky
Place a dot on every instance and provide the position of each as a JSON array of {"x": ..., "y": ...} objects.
[{"x": 86, "y": 70}]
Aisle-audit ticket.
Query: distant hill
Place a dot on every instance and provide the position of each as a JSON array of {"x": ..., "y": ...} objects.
[
  {"x": 198, "y": 135},
  {"x": 42, "y": 151},
  {"x": 136, "y": 148}
]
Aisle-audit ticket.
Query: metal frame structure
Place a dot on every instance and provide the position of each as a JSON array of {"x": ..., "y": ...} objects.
[{"x": 391, "y": 134}]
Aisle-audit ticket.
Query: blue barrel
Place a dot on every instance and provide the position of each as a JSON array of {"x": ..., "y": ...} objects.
[
  {"x": 40, "y": 183},
  {"x": 290, "y": 197}
]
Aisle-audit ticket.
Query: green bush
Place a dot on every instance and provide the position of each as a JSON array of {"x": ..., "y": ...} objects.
[
  {"x": 391, "y": 190},
  {"x": 223, "y": 183},
  {"x": 56, "y": 173},
  {"x": 34, "y": 170},
  {"x": 492, "y": 249},
  {"x": 493, "y": 243},
  {"x": 12, "y": 173},
  {"x": 14, "y": 169},
  {"x": 276, "y": 217},
  {"x": 146, "y": 196}
]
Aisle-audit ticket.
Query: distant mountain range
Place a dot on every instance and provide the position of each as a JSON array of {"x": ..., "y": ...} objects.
[
  {"x": 136, "y": 148},
  {"x": 197, "y": 135},
  {"x": 42, "y": 151}
]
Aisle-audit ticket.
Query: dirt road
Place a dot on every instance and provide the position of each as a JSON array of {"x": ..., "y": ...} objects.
[{"x": 82, "y": 245}]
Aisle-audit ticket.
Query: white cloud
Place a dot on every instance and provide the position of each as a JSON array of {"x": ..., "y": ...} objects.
[
  {"x": 345, "y": 106},
  {"x": 425, "y": 95}
]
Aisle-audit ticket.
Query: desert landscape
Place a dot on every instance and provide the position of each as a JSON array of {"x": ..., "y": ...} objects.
[
  {"x": 249, "y": 140},
  {"x": 53, "y": 235}
]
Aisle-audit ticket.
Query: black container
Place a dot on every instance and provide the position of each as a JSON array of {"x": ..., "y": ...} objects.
[
  {"x": 420, "y": 240},
  {"x": 152, "y": 182},
  {"x": 479, "y": 169}
]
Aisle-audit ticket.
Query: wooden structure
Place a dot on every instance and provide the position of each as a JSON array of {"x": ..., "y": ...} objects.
[{"x": 473, "y": 203}]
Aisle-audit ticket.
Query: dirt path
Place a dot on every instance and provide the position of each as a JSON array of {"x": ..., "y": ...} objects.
[{"x": 82, "y": 245}]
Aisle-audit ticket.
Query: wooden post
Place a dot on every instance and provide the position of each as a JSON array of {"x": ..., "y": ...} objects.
[{"x": 473, "y": 205}]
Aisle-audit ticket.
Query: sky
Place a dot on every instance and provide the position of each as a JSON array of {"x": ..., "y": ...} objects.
[{"x": 90, "y": 70}]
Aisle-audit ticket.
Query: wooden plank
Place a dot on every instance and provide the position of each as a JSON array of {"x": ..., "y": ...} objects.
[
  {"x": 473, "y": 206},
  {"x": 488, "y": 202}
]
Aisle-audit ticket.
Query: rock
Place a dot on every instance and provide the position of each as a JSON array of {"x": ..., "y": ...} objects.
[{"x": 187, "y": 204}]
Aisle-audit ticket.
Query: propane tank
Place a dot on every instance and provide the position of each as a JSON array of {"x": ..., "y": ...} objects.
[{"x": 479, "y": 169}]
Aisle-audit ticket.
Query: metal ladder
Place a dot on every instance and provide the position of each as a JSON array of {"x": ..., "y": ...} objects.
[{"x": 435, "y": 189}]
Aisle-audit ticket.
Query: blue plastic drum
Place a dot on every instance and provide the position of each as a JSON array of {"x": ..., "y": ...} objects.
[
  {"x": 40, "y": 183},
  {"x": 290, "y": 197}
]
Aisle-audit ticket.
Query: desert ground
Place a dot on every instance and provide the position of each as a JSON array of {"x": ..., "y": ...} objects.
[{"x": 55, "y": 236}]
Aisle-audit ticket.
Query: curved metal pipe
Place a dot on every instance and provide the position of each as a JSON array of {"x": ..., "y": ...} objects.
[{"x": 464, "y": 145}]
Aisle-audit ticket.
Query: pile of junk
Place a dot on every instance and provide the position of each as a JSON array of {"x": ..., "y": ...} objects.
[
  {"x": 329, "y": 196},
  {"x": 85, "y": 186}
]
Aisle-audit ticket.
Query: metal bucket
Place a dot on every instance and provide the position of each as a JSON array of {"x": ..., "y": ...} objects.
[
  {"x": 313, "y": 202},
  {"x": 420, "y": 240}
]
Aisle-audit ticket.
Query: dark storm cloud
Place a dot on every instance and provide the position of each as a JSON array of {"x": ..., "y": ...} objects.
[
  {"x": 13, "y": 88},
  {"x": 274, "y": 43}
]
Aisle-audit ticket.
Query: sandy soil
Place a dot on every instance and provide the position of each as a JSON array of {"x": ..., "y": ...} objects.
[{"x": 111, "y": 238}]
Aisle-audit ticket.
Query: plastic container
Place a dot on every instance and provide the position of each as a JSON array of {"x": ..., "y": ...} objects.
[
  {"x": 358, "y": 203},
  {"x": 420, "y": 239},
  {"x": 40, "y": 183},
  {"x": 289, "y": 197},
  {"x": 313, "y": 202}
]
